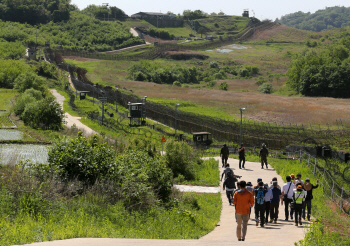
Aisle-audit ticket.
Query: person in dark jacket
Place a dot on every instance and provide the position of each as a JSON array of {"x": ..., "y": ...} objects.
[
  {"x": 263, "y": 155},
  {"x": 241, "y": 153},
  {"x": 307, "y": 204},
  {"x": 230, "y": 185},
  {"x": 224, "y": 154}
]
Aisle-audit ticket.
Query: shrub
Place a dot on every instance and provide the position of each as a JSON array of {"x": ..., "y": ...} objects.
[
  {"x": 47, "y": 70},
  {"x": 223, "y": 86},
  {"x": 10, "y": 70},
  {"x": 244, "y": 72},
  {"x": 46, "y": 114},
  {"x": 214, "y": 64},
  {"x": 252, "y": 69},
  {"x": 266, "y": 88},
  {"x": 211, "y": 84},
  {"x": 180, "y": 158},
  {"x": 177, "y": 83},
  {"x": 82, "y": 159},
  {"x": 261, "y": 80},
  {"x": 30, "y": 80},
  {"x": 28, "y": 97}
]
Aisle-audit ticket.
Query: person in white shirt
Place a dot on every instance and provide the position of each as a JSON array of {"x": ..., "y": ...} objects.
[{"x": 287, "y": 194}]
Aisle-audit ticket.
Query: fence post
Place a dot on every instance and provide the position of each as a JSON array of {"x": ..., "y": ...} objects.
[
  {"x": 324, "y": 172},
  {"x": 308, "y": 161},
  {"x": 315, "y": 167},
  {"x": 341, "y": 198},
  {"x": 332, "y": 190},
  {"x": 300, "y": 155}
]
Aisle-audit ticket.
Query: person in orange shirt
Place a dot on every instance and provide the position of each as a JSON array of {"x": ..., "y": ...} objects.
[{"x": 242, "y": 199}]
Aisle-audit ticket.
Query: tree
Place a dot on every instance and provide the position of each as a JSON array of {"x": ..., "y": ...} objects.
[
  {"x": 223, "y": 86},
  {"x": 201, "y": 31},
  {"x": 30, "y": 80},
  {"x": 266, "y": 88}
]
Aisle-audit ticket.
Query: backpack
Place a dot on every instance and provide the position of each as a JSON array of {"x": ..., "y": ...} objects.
[
  {"x": 260, "y": 196},
  {"x": 229, "y": 173}
]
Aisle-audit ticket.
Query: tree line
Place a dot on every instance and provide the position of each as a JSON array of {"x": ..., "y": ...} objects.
[{"x": 329, "y": 18}]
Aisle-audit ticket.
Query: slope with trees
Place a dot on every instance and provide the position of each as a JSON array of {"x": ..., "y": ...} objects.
[{"x": 329, "y": 18}]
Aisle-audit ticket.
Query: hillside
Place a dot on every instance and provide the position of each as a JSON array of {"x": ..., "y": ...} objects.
[
  {"x": 329, "y": 18},
  {"x": 80, "y": 32},
  {"x": 213, "y": 25}
]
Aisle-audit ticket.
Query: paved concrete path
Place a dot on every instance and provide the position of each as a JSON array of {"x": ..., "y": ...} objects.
[
  {"x": 71, "y": 120},
  {"x": 198, "y": 189},
  {"x": 284, "y": 233}
]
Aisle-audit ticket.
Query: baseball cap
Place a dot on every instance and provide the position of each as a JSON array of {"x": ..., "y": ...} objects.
[
  {"x": 292, "y": 175},
  {"x": 299, "y": 187},
  {"x": 307, "y": 180},
  {"x": 274, "y": 183}
]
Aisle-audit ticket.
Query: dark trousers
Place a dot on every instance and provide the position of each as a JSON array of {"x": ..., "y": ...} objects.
[
  {"x": 298, "y": 210},
  {"x": 263, "y": 160},
  {"x": 274, "y": 210},
  {"x": 259, "y": 212},
  {"x": 267, "y": 211},
  {"x": 224, "y": 160},
  {"x": 307, "y": 204},
  {"x": 241, "y": 160},
  {"x": 229, "y": 195},
  {"x": 286, "y": 208}
]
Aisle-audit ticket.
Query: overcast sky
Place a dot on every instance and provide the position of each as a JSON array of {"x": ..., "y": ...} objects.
[{"x": 263, "y": 9}]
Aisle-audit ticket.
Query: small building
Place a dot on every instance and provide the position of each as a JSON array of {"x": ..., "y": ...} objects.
[
  {"x": 149, "y": 15},
  {"x": 209, "y": 37},
  {"x": 137, "y": 111},
  {"x": 32, "y": 53},
  {"x": 245, "y": 13},
  {"x": 202, "y": 138},
  {"x": 83, "y": 94}
]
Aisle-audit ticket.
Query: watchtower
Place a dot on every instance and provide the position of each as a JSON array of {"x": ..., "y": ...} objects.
[
  {"x": 32, "y": 53},
  {"x": 138, "y": 111},
  {"x": 245, "y": 13}
]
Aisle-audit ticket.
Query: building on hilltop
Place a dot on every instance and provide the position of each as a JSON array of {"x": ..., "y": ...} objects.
[{"x": 149, "y": 15}]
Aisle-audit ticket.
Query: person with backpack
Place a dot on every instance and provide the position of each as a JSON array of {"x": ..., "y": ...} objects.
[
  {"x": 242, "y": 200},
  {"x": 275, "y": 198},
  {"x": 308, "y": 187},
  {"x": 263, "y": 155},
  {"x": 299, "y": 196},
  {"x": 230, "y": 185},
  {"x": 241, "y": 153},
  {"x": 224, "y": 154},
  {"x": 287, "y": 194},
  {"x": 260, "y": 204}
]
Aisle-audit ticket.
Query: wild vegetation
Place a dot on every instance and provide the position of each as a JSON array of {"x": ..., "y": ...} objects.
[{"x": 324, "y": 19}]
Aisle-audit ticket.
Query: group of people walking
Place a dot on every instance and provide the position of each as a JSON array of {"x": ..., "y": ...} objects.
[{"x": 265, "y": 198}]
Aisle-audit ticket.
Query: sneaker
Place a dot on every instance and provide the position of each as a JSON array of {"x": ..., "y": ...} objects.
[
  {"x": 296, "y": 224},
  {"x": 300, "y": 223},
  {"x": 262, "y": 167},
  {"x": 239, "y": 239},
  {"x": 271, "y": 220},
  {"x": 286, "y": 219},
  {"x": 266, "y": 167},
  {"x": 242, "y": 239},
  {"x": 262, "y": 225},
  {"x": 257, "y": 222},
  {"x": 275, "y": 222}
]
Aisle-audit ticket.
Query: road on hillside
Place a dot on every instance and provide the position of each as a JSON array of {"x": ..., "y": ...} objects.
[{"x": 284, "y": 233}]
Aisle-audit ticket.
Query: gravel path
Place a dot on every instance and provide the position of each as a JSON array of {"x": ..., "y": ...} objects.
[
  {"x": 284, "y": 233},
  {"x": 71, "y": 120}
]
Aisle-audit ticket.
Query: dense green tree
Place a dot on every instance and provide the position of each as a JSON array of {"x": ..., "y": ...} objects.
[
  {"x": 35, "y": 11},
  {"x": 192, "y": 15},
  {"x": 10, "y": 70},
  {"x": 102, "y": 12},
  {"x": 30, "y": 80},
  {"x": 331, "y": 17}
]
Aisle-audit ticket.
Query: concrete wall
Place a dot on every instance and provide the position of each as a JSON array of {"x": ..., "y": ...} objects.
[{"x": 165, "y": 22}]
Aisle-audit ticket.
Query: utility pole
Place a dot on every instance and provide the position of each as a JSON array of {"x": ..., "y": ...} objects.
[{"x": 107, "y": 4}]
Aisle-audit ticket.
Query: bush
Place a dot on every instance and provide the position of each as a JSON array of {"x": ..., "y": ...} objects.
[
  {"x": 30, "y": 80},
  {"x": 261, "y": 80},
  {"x": 223, "y": 86},
  {"x": 177, "y": 83},
  {"x": 10, "y": 70},
  {"x": 46, "y": 114},
  {"x": 214, "y": 64},
  {"x": 266, "y": 88},
  {"x": 12, "y": 50},
  {"x": 211, "y": 84},
  {"x": 180, "y": 158},
  {"x": 252, "y": 69},
  {"x": 244, "y": 72},
  {"x": 28, "y": 97},
  {"x": 47, "y": 70},
  {"x": 82, "y": 159}
]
